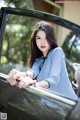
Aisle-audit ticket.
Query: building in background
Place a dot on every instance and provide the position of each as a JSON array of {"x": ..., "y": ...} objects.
[{"x": 68, "y": 9}]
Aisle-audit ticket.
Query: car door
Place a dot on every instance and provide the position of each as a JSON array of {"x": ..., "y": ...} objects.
[{"x": 31, "y": 103}]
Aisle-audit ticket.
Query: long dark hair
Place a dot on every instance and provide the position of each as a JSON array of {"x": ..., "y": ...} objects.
[{"x": 51, "y": 38}]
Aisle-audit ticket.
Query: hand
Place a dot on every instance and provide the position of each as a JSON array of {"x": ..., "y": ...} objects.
[
  {"x": 25, "y": 82},
  {"x": 14, "y": 75}
]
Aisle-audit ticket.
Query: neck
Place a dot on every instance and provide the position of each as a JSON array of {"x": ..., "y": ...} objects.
[{"x": 46, "y": 53}]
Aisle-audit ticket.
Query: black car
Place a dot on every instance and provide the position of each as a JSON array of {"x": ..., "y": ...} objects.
[
  {"x": 31, "y": 103},
  {"x": 71, "y": 47}
]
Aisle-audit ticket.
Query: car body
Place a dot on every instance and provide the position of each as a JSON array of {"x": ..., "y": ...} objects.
[{"x": 34, "y": 103}]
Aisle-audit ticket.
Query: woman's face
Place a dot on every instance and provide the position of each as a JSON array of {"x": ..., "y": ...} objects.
[{"x": 42, "y": 43}]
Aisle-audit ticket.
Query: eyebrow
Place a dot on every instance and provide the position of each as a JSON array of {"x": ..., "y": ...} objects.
[
  {"x": 40, "y": 37},
  {"x": 37, "y": 36}
]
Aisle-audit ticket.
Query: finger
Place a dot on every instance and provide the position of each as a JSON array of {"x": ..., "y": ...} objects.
[
  {"x": 29, "y": 83},
  {"x": 10, "y": 81},
  {"x": 32, "y": 82},
  {"x": 15, "y": 74},
  {"x": 26, "y": 82},
  {"x": 10, "y": 78},
  {"x": 22, "y": 84},
  {"x": 11, "y": 74}
]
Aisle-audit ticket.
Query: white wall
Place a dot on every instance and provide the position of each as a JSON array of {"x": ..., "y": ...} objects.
[{"x": 71, "y": 12}]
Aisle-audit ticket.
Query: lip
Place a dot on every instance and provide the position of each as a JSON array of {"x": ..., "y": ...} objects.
[{"x": 43, "y": 46}]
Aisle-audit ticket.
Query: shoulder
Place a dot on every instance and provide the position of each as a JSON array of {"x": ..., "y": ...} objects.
[
  {"x": 57, "y": 53},
  {"x": 57, "y": 50}
]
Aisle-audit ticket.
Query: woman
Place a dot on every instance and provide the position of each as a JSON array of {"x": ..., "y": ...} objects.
[{"x": 47, "y": 62}]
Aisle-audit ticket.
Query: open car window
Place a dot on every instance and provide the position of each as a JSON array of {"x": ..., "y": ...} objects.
[
  {"x": 16, "y": 35},
  {"x": 15, "y": 47}
]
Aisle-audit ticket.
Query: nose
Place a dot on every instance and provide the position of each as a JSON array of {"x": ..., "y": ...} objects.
[{"x": 42, "y": 41}]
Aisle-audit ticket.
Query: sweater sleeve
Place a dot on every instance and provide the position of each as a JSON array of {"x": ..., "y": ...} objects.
[
  {"x": 57, "y": 64},
  {"x": 35, "y": 69}
]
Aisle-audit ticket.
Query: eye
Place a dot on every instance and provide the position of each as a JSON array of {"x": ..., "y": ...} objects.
[{"x": 38, "y": 38}]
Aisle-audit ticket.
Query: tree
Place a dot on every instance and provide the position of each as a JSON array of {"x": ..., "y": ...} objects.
[{"x": 18, "y": 29}]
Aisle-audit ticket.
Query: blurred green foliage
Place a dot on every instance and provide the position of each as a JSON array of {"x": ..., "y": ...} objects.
[
  {"x": 18, "y": 3},
  {"x": 16, "y": 45}
]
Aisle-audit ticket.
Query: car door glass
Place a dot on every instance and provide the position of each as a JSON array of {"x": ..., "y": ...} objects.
[{"x": 16, "y": 49}]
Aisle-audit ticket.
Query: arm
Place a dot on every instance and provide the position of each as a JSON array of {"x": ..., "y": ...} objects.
[
  {"x": 15, "y": 75},
  {"x": 43, "y": 84},
  {"x": 57, "y": 64},
  {"x": 29, "y": 74}
]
